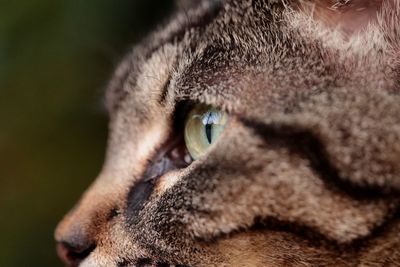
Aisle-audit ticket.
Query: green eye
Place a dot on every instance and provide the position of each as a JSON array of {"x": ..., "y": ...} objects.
[{"x": 204, "y": 125}]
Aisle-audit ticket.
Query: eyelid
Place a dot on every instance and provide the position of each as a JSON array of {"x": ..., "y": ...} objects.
[{"x": 186, "y": 104}]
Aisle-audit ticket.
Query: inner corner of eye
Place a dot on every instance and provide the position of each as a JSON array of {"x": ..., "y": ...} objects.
[
  {"x": 172, "y": 156},
  {"x": 179, "y": 154}
]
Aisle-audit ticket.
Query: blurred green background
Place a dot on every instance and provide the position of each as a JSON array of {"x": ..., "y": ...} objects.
[{"x": 55, "y": 60}]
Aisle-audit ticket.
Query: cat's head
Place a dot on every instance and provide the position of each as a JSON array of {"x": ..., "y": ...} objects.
[{"x": 250, "y": 133}]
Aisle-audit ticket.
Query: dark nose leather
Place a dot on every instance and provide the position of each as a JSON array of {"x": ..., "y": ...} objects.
[{"x": 72, "y": 254}]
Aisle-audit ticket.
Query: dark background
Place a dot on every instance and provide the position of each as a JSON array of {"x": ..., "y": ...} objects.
[{"x": 55, "y": 60}]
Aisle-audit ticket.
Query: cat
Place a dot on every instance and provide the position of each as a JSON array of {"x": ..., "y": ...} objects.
[{"x": 251, "y": 133}]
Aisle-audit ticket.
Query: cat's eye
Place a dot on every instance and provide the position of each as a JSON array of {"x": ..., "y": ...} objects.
[{"x": 204, "y": 124}]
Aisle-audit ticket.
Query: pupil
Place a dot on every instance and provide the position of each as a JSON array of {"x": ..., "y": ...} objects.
[
  {"x": 208, "y": 132},
  {"x": 208, "y": 123}
]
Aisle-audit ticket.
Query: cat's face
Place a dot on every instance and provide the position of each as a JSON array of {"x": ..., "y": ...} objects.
[{"x": 248, "y": 133}]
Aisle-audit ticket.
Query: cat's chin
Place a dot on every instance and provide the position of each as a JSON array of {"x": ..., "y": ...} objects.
[{"x": 96, "y": 260}]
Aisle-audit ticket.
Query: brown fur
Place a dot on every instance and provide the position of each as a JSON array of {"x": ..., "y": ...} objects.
[{"x": 307, "y": 171}]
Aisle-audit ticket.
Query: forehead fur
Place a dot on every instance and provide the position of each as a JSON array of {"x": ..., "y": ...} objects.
[{"x": 223, "y": 41}]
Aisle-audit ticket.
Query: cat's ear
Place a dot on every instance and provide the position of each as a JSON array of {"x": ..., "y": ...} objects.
[{"x": 347, "y": 16}]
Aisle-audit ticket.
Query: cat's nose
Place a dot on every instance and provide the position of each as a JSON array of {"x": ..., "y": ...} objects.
[
  {"x": 75, "y": 239},
  {"x": 82, "y": 229},
  {"x": 72, "y": 253}
]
